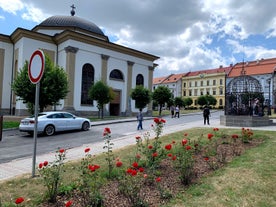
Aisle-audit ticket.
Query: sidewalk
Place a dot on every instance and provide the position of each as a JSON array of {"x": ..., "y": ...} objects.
[{"x": 23, "y": 166}]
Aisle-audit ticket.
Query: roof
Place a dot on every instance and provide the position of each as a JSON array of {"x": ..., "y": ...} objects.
[
  {"x": 159, "y": 80},
  {"x": 71, "y": 21},
  {"x": 257, "y": 67},
  {"x": 173, "y": 78},
  {"x": 221, "y": 69}
]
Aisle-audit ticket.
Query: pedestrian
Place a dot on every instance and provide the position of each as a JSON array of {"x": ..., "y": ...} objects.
[
  {"x": 206, "y": 114},
  {"x": 140, "y": 120},
  {"x": 172, "y": 111},
  {"x": 176, "y": 111}
]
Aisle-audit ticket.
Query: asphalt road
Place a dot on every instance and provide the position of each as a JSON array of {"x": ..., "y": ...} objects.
[{"x": 15, "y": 145}]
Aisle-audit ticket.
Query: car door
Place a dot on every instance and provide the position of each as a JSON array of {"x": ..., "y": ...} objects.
[
  {"x": 71, "y": 122},
  {"x": 58, "y": 121}
]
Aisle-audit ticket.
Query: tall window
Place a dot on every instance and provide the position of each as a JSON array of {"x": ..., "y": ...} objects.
[
  {"x": 116, "y": 74},
  {"x": 139, "y": 80},
  {"x": 86, "y": 83}
]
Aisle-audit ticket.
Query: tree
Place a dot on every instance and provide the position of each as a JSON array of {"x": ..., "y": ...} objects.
[
  {"x": 207, "y": 100},
  {"x": 141, "y": 95},
  {"x": 101, "y": 93},
  {"x": 161, "y": 95},
  {"x": 53, "y": 86},
  {"x": 188, "y": 101},
  {"x": 178, "y": 101}
]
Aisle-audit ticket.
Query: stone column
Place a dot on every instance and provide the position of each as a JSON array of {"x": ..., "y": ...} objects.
[
  {"x": 151, "y": 69},
  {"x": 70, "y": 69},
  {"x": 129, "y": 87},
  {"x": 104, "y": 67}
]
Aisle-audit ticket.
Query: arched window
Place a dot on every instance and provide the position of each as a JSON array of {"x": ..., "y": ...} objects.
[
  {"x": 87, "y": 81},
  {"x": 116, "y": 74},
  {"x": 139, "y": 80}
]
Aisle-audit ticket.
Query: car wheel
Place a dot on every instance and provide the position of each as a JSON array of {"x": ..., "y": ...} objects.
[
  {"x": 85, "y": 126},
  {"x": 49, "y": 130}
]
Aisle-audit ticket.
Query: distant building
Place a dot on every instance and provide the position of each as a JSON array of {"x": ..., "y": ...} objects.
[
  {"x": 206, "y": 82},
  {"x": 173, "y": 82},
  {"x": 86, "y": 54},
  {"x": 263, "y": 71}
]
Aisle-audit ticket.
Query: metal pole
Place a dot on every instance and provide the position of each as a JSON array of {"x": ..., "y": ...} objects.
[
  {"x": 1, "y": 127},
  {"x": 35, "y": 127}
]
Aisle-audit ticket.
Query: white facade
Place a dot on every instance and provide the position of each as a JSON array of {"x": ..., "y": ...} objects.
[{"x": 72, "y": 48}]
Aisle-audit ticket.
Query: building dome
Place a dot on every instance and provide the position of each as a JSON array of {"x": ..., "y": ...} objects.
[{"x": 71, "y": 21}]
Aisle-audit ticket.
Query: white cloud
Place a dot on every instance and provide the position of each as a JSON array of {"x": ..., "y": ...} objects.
[
  {"x": 12, "y": 6},
  {"x": 187, "y": 34}
]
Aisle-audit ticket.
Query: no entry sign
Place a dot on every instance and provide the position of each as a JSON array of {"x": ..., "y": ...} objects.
[{"x": 36, "y": 66}]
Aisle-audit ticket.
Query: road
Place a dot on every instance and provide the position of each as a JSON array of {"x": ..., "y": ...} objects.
[{"x": 16, "y": 145}]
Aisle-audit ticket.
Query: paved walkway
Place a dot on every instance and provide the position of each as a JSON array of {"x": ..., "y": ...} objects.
[{"x": 23, "y": 166}]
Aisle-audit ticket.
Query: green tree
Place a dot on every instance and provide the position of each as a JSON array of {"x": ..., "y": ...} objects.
[
  {"x": 188, "y": 101},
  {"x": 53, "y": 86},
  {"x": 141, "y": 95},
  {"x": 101, "y": 93},
  {"x": 178, "y": 101},
  {"x": 206, "y": 100},
  {"x": 161, "y": 95}
]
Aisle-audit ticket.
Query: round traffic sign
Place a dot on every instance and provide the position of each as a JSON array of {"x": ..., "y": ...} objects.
[{"x": 36, "y": 66}]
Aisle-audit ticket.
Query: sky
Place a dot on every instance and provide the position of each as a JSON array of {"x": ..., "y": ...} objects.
[{"x": 187, "y": 35}]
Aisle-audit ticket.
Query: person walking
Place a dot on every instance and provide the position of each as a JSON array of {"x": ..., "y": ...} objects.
[
  {"x": 172, "y": 111},
  {"x": 206, "y": 114},
  {"x": 176, "y": 112},
  {"x": 140, "y": 120}
]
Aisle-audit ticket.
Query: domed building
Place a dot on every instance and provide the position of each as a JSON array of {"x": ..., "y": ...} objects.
[{"x": 82, "y": 49}]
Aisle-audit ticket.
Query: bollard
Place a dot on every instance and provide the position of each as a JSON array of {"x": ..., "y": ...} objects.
[{"x": 1, "y": 127}]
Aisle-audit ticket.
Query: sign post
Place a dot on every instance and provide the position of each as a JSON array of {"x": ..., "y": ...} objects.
[{"x": 35, "y": 72}]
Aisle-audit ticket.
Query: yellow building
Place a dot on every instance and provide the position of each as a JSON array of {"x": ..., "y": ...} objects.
[{"x": 206, "y": 82}]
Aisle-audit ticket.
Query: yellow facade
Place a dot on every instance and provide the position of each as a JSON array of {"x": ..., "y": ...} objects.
[{"x": 200, "y": 83}]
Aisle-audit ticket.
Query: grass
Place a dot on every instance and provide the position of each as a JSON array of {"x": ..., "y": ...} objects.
[
  {"x": 10, "y": 124},
  {"x": 249, "y": 180}
]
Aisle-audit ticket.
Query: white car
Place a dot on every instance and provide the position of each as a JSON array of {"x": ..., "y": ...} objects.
[{"x": 54, "y": 121}]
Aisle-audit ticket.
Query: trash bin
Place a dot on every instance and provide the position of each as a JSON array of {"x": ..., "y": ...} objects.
[{"x": 1, "y": 127}]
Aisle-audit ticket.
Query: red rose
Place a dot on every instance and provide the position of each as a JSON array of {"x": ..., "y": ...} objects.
[
  {"x": 135, "y": 164},
  {"x": 174, "y": 157},
  {"x": 206, "y": 158},
  {"x": 156, "y": 120},
  {"x": 134, "y": 172},
  {"x": 19, "y": 200},
  {"x": 184, "y": 141},
  {"x": 210, "y": 136},
  {"x": 45, "y": 163},
  {"x": 216, "y": 129},
  {"x": 163, "y": 121},
  {"x": 141, "y": 169},
  {"x": 107, "y": 130},
  {"x": 138, "y": 137},
  {"x": 158, "y": 179},
  {"x": 168, "y": 147},
  {"x": 119, "y": 164},
  {"x": 235, "y": 136},
  {"x": 150, "y": 147},
  {"x": 61, "y": 151},
  {"x": 170, "y": 155},
  {"x": 68, "y": 203},
  {"x": 155, "y": 154},
  {"x": 186, "y": 134},
  {"x": 188, "y": 147},
  {"x": 40, "y": 165},
  {"x": 86, "y": 150}
]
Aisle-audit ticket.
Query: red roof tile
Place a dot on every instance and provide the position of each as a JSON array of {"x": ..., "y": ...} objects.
[
  {"x": 210, "y": 71},
  {"x": 257, "y": 67},
  {"x": 173, "y": 78}
]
